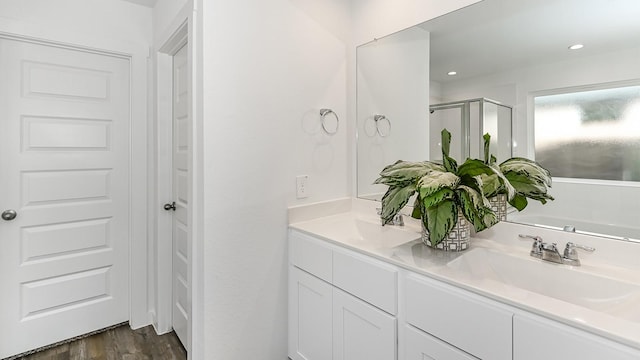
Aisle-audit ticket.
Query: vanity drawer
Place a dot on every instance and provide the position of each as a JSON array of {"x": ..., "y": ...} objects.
[
  {"x": 460, "y": 318},
  {"x": 421, "y": 346},
  {"x": 372, "y": 281},
  {"x": 311, "y": 255}
]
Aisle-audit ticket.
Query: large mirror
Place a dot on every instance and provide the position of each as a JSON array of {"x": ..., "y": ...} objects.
[{"x": 577, "y": 111}]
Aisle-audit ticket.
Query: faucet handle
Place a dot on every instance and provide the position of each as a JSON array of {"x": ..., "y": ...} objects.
[
  {"x": 536, "y": 247},
  {"x": 571, "y": 253},
  {"x": 534, "y": 237},
  {"x": 537, "y": 239},
  {"x": 578, "y": 246}
]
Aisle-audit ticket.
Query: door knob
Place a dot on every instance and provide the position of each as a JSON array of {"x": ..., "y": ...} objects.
[
  {"x": 9, "y": 215},
  {"x": 167, "y": 207}
]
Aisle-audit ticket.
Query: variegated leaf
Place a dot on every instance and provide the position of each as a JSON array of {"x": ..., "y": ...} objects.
[
  {"x": 392, "y": 182},
  {"x": 491, "y": 185},
  {"x": 417, "y": 209},
  {"x": 489, "y": 218},
  {"x": 508, "y": 188},
  {"x": 474, "y": 182},
  {"x": 395, "y": 199},
  {"x": 440, "y": 220},
  {"x": 476, "y": 198},
  {"x": 468, "y": 206},
  {"x": 401, "y": 168},
  {"x": 401, "y": 173},
  {"x": 528, "y": 168},
  {"x": 449, "y": 163},
  {"x": 525, "y": 185},
  {"x": 486, "y": 144},
  {"x": 519, "y": 202},
  {"x": 474, "y": 167},
  {"x": 438, "y": 196},
  {"x": 435, "y": 181}
]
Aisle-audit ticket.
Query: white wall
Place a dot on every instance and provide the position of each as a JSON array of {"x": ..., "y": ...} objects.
[
  {"x": 97, "y": 23},
  {"x": 113, "y": 26},
  {"x": 268, "y": 69},
  {"x": 164, "y": 13}
]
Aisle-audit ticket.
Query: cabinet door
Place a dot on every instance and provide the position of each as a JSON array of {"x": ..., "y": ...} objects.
[
  {"x": 361, "y": 331},
  {"x": 420, "y": 346},
  {"x": 310, "y": 326},
  {"x": 536, "y": 338}
]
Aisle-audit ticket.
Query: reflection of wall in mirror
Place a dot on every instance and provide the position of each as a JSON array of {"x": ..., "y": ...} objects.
[
  {"x": 601, "y": 202},
  {"x": 378, "y": 18},
  {"x": 597, "y": 207},
  {"x": 452, "y": 120},
  {"x": 392, "y": 78}
]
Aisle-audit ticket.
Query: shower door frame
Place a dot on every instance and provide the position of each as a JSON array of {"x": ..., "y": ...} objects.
[{"x": 466, "y": 120}]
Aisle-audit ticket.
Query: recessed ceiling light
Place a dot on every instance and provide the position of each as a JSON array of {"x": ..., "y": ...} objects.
[
  {"x": 451, "y": 73},
  {"x": 576, "y": 47}
]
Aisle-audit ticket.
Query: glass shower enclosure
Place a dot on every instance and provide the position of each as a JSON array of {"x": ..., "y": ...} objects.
[{"x": 468, "y": 121}]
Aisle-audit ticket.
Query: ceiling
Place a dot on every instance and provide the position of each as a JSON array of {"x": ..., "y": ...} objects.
[{"x": 497, "y": 35}]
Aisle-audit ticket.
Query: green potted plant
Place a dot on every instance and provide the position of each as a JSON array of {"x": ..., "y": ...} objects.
[
  {"x": 449, "y": 197},
  {"x": 524, "y": 179}
]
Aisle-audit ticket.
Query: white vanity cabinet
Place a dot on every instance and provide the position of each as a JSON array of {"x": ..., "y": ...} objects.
[
  {"x": 347, "y": 305},
  {"x": 471, "y": 323},
  {"x": 341, "y": 307},
  {"x": 537, "y": 338}
]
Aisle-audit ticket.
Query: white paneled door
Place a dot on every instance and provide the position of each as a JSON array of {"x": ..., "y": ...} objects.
[
  {"x": 181, "y": 179},
  {"x": 64, "y": 162}
]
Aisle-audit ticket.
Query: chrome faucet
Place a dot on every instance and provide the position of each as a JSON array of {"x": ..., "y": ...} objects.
[
  {"x": 536, "y": 247},
  {"x": 571, "y": 255},
  {"x": 397, "y": 220},
  {"x": 550, "y": 252}
]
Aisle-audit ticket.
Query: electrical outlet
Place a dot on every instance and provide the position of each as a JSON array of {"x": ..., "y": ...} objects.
[{"x": 302, "y": 186}]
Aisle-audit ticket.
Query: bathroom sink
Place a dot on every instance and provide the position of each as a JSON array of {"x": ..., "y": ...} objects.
[
  {"x": 561, "y": 282},
  {"x": 361, "y": 231}
]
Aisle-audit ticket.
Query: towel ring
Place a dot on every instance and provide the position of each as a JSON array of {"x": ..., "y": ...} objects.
[
  {"x": 381, "y": 119},
  {"x": 331, "y": 130}
]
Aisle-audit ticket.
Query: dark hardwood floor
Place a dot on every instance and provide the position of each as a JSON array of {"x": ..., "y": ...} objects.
[{"x": 120, "y": 343}]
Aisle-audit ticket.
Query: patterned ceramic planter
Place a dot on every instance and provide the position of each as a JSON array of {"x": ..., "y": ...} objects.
[
  {"x": 457, "y": 240},
  {"x": 499, "y": 206}
]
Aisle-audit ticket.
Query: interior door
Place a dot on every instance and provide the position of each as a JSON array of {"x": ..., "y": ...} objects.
[
  {"x": 64, "y": 162},
  {"x": 181, "y": 308}
]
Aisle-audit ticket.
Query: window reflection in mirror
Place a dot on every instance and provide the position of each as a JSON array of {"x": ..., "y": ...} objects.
[{"x": 592, "y": 134}]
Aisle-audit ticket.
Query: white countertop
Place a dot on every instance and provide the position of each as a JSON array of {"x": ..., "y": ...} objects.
[{"x": 348, "y": 223}]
